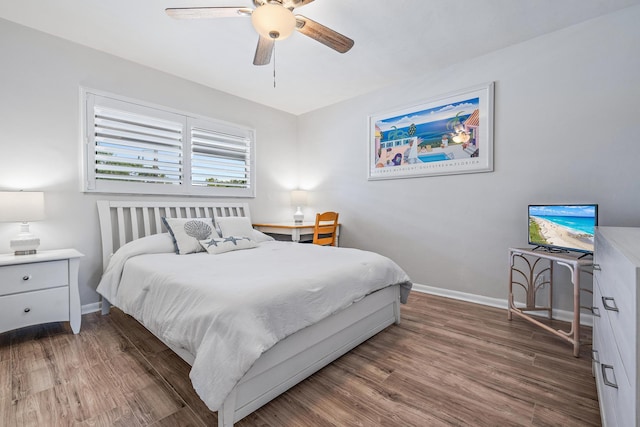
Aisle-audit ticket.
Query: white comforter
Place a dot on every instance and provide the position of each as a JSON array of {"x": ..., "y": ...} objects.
[{"x": 228, "y": 309}]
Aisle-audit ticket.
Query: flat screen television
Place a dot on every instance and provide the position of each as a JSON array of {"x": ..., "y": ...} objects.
[{"x": 563, "y": 227}]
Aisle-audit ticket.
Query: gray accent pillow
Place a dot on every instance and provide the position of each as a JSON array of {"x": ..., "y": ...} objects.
[{"x": 187, "y": 233}]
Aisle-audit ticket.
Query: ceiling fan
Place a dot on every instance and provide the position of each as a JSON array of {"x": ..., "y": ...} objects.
[{"x": 273, "y": 20}]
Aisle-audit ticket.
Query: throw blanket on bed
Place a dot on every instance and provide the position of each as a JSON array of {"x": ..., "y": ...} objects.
[{"x": 228, "y": 309}]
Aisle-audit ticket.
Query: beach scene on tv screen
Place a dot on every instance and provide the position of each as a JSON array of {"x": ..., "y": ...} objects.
[{"x": 570, "y": 227}]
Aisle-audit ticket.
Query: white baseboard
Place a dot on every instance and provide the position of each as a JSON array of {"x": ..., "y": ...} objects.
[
  {"x": 564, "y": 315},
  {"x": 585, "y": 318},
  {"x": 91, "y": 308}
]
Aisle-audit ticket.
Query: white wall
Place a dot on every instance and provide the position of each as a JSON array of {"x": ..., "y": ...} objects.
[
  {"x": 566, "y": 106},
  {"x": 40, "y": 142},
  {"x": 566, "y": 115}
]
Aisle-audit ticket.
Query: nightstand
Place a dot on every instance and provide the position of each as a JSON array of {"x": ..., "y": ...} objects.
[{"x": 39, "y": 288}]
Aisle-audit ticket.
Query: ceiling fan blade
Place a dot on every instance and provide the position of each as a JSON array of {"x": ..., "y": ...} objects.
[
  {"x": 263, "y": 51},
  {"x": 207, "y": 12},
  {"x": 324, "y": 35},
  {"x": 292, "y": 4}
]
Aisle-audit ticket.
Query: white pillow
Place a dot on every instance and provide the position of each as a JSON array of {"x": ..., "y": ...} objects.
[
  {"x": 151, "y": 244},
  {"x": 187, "y": 233},
  {"x": 259, "y": 236},
  {"x": 234, "y": 226},
  {"x": 218, "y": 245}
]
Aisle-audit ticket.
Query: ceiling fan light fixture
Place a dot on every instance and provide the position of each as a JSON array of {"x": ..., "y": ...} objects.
[{"x": 273, "y": 21}]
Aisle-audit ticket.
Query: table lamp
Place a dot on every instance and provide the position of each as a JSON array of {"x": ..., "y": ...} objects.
[
  {"x": 22, "y": 206},
  {"x": 298, "y": 199}
]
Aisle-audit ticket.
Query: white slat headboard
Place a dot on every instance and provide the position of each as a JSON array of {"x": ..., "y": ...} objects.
[{"x": 124, "y": 221}]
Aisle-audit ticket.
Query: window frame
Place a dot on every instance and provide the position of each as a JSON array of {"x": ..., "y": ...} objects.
[{"x": 91, "y": 184}]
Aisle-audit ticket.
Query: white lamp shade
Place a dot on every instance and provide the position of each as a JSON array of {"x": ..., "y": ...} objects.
[
  {"x": 298, "y": 198},
  {"x": 273, "y": 21},
  {"x": 21, "y": 206}
]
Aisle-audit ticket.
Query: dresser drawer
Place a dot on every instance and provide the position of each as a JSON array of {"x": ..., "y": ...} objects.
[
  {"x": 31, "y": 308},
  {"x": 617, "y": 403},
  {"x": 617, "y": 305},
  {"x": 615, "y": 333},
  {"x": 606, "y": 396},
  {"x": 616, "y": 275},
  {"x": 33, "y": 276}
]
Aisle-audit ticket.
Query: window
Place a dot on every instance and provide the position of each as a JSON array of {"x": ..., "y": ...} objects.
[{"x": 132, "y": 147}]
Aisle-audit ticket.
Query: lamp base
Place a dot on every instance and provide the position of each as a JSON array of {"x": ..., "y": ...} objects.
[
  {"x": 21, "y": 246},
  {"x": 24, "y": 243},
  {"x": 28, "y": 252},
  {"x": 298, "y": 216}
]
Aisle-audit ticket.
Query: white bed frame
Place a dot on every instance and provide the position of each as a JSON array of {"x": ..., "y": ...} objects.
[{"x": 290, "y": 360}]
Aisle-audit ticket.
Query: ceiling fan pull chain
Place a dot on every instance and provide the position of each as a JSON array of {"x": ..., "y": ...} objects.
[{"x": 274, "y": 65}]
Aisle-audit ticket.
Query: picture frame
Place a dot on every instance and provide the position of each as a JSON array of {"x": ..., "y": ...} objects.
[{"x": 450, "y": 134}]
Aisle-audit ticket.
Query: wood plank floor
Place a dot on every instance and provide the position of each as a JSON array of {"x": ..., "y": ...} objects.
[{"x": 448, "y": 363}]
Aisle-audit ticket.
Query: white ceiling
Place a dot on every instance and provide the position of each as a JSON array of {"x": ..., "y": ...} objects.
[{"x": 393, "y": 40}]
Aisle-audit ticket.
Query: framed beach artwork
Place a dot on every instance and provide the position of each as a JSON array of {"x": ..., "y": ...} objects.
[{"x": 452, "y": 134}]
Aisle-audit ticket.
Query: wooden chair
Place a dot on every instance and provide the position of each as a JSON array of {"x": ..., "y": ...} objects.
[{"x": 324, "y": 232}]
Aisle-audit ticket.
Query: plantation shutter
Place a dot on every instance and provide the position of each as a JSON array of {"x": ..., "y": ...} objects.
[
  {"x": 133, "y": 147},
  {"x": 220, "y": 155}
]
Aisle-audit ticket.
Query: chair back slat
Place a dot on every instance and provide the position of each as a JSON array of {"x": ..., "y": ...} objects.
[{"x": 324, "y": 231}]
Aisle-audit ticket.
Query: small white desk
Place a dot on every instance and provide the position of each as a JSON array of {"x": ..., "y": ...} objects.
[
  {"x": 290, "y": 229},
  {"x": 528, "y": 273}
]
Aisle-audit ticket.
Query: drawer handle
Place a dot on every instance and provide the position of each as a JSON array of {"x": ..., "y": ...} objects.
[
  {"x": 607, "y": 306},
  {"x": 26, "y": 310},
  {"x": 594, "y": 356},
  {"x": 595, "y": 311},
  {"x": 25, "y": 278},
  {"x": 596, "y": 267},
  {"x": 606, "y": 381}
]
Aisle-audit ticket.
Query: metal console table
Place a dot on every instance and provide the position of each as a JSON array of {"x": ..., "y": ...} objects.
[{"x": 535, "y": 265}]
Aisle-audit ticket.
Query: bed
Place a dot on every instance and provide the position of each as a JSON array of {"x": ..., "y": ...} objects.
[{"x": 171, "y": 295}]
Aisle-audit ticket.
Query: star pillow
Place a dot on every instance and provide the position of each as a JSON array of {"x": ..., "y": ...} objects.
[{"x": 218, "y": 245}]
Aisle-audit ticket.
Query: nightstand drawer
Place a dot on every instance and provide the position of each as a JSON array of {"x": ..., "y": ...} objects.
[
  {"x": 33, "y": 276},
  {"x": 31, "y": 308}
]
